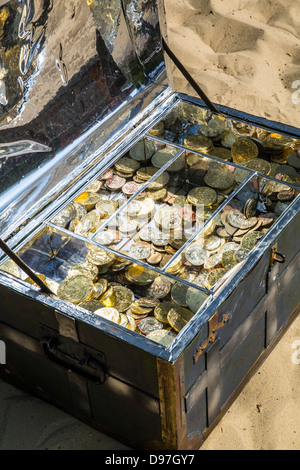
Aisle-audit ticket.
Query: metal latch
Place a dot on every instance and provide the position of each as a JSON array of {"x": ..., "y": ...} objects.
[
  {"x": 276, "y": 257},
  {"x": 213, "y": 326}
]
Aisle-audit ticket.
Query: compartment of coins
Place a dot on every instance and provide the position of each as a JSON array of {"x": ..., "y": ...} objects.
[
  {"x": 174, "y": 206},
  {"x": 227, "y": 240},
  {"x": 108, "y": 285},
  {"x": 265, "y": 151},
  {"x": 126, "y": 178}
]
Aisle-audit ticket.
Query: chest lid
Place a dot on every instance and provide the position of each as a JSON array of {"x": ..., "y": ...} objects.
[{"x": 74, "y": 76}]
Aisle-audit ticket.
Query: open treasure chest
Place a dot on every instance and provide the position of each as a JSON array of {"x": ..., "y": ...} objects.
[{"x": 165, "y": 234}]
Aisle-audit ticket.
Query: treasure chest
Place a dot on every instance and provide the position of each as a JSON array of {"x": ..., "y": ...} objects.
[{"x": 150, "y": 256}]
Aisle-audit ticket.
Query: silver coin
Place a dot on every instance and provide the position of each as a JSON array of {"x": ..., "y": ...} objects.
[{"x": 196, "y": 255}]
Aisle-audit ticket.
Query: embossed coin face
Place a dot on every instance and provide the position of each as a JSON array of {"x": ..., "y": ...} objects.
[
  {"x": 196, "y": 255},
  {"x": 140, "y": 251},
  {"x": 76, "y": 289},
  {"x": 105, "y": 238},
  {"x": 244, "y": 150},
  {"x": 202, "y": 196},
  {"x": 115, "y": 183},
  {"x": 229, "y": 260},
  {"x": 214, "y": 277},
  {"x": 99, "y": 256},
  {"x": 240, "y": 221},
  {"x": 213, "y": 261},
  {"x": 110, "y": 314},
  {"x": 147, "y": 325},
  {"x": 123, "y": 298},
  {"x": 160, "y": 288},
  {"x": 242, "y": 254},
  {"x": 131, "y": 188},
  {"x": 84, "y": 269},
  {"x": 250, "y": 240}
]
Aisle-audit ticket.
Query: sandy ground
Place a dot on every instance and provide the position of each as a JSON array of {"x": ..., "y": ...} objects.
[{"x": 246, "y": 55}]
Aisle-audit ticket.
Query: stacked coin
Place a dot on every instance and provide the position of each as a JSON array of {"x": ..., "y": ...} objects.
[
  {"x": 233, "y": 235},
  {"x": 238, "y": 141},
  {"x": 129, "y": 295}
]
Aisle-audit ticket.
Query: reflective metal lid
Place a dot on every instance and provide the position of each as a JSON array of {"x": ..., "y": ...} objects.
[{"x": 72, "y": 75}]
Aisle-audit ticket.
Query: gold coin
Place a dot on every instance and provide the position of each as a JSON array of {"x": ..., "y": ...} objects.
[
  {"x": 84, "y": 269},
  {"x": 214, "y": 277},
  {"x": 127, "y": 165},
  {"x": 162, "y": 310},
  {"x": 131, "y": 324},
  {"x": 213, "y": 262},
  {"x": 220, "y": 179},
  {"x": 139, "y": 275},
  {"x": 148, "y": 302},
  {"x": 147, "y": 209},
  {"x": 222, "y": 153},
  {"x": 259, "y": 165},
  {"x": 88, "y": 224},
  {"x": 138, "y": 310},
  {"x": 215, "y": 127},
  {"x": 202, "y": 196},
  {"x": 198, "y": 142},
  {"x": 124, "y": 320},
  {"x": 244, "y": 150},
  {"x": 160, "y": 182},
  {"x": 99, "y": 256},
  {"x": 229, "y": 260},
  {"x": 76, "y": 289},
  {"x": 250, "y": 240},
  {"x": 179, "y": 317},
  {"x": 106, "y": 209},
  {"x": 100, "y": 287},
  {"x": 160, "y": 288},
  {"x": 110, "y": 314},
  {"x": 88, "y": 199},
  {"x": 157, "y": 195},
  {"x": 122, "y": 298}
]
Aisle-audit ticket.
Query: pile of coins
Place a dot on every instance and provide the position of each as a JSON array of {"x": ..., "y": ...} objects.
[
  {"x": 260, "y": 150},
  {"x": 131, "y": 296},
  {"x": 231, "y": 236}
]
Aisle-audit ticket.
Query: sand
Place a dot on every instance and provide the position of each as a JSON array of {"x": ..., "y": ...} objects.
[{"x": 246, "y": 55}]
